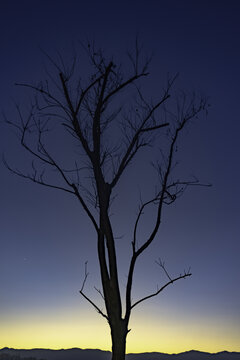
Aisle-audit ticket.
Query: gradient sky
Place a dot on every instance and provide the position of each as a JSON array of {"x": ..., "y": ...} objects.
[{"x": 45, "y": 237}]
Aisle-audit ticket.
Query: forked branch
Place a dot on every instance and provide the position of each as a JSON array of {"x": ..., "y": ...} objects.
[
  {"x": 87, "y": 298},
  {"x": 171, "y": 281}
]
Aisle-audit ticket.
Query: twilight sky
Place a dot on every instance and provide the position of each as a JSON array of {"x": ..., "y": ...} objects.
[{"x": 45, "y": 237}]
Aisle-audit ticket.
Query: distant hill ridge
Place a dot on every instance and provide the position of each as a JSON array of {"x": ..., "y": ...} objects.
[{"x": 94, "y": 354}]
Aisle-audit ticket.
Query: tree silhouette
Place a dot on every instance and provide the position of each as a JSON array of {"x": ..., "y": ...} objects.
[{"x": 109, "y": 118}]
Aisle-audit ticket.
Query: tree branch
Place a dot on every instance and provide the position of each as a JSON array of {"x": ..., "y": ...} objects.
[
  {"x": 161, "y": 289},
  {"x": 74, "y": 118},
  {"x": 85, "y": 207},
  {"x": 84, "y": 92},
  {"x": 124, "y": 84},
  {"x": 96, "y": 133},
  {"x": 129, "y": 154},
  {"x": 44, "y": 92},
  {"x": 87, "y": 298},
  {"x": 34, "y": 178}
]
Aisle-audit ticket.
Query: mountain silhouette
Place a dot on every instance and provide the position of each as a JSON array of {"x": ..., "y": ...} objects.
[{"x": 94, "y": 354}]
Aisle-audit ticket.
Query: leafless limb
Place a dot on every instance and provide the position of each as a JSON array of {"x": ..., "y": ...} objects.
[
  {"x": 48, "y": 95},
  {"x": 87, "y": 298},
  {"x": 178, "y": 189},
  {"x": 33, "y": 177},
  {"x": 171, "y": 281}
]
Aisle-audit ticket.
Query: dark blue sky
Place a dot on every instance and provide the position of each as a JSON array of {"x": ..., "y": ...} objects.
[{"x": 45, "y": 238}]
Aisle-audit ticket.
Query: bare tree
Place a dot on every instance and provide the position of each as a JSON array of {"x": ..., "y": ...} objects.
[{"x": 109, "y": 118}]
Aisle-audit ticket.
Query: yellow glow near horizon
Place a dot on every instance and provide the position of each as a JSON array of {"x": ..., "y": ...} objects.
[
  {"x": 168, "y": 337},
  {"x": 149, "y": 333},
  {"x": 56, "y": 329}
]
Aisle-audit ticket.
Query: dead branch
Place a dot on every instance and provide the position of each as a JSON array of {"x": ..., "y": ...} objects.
[
  {"x": 171, "y": 281},
  {"x": 87, "y": 298}
]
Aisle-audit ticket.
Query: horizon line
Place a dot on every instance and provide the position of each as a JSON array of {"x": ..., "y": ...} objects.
[{"x": 129, "y": 353}]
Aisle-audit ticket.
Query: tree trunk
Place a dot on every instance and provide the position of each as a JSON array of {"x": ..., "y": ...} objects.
[{"x": 119, "y": 334}]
